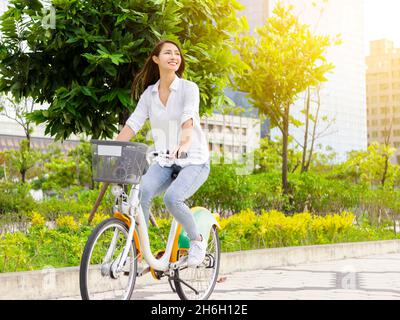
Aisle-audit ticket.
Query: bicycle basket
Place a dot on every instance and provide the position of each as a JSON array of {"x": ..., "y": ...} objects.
[{"x": 118, "y": 161}]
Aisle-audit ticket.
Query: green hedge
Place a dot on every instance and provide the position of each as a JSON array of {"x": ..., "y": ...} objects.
[{"x": 42, "y": 247}]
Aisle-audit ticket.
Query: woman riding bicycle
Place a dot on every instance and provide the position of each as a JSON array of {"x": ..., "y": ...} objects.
[{"x": 172, "y": 105}]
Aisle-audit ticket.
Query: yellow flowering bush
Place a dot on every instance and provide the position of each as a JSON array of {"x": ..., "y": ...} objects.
[
  {"x": 63, "y": 246},
  {"x": 66, "y": 222},
  {"x": 98, "y": 217},
  {"x": 246, "y": 230},
  {"x": 37, "y": 219}
]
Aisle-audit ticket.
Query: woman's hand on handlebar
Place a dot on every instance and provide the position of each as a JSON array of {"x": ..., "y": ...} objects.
[
  {"x": 168, "y": 155},
  {"x": 180, "y": 152}
]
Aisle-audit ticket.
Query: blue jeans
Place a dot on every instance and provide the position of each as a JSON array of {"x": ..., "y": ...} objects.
[{"x": 158, "y": 179}]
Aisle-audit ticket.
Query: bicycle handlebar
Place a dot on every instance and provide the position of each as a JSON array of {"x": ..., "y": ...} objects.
[{"x": 167, "y": 155}]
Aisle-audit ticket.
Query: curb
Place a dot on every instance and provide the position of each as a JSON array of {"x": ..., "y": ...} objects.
[{"x": 52, "y": 283}]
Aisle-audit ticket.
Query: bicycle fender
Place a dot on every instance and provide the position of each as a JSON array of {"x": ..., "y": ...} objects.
[{"x": 205, "y": 220}]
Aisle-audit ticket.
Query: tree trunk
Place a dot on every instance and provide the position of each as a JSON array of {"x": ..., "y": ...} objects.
[
  {"x": 23, "y": 175},
  {"x": 98, "y": 201},
  {"x": 314, "y": 130},
  {"x": 385, "y": 170},
  {"x": 285, "y": 140},
  {"x": 28, "y": 136},
  {"x": 307, "y": 109}
]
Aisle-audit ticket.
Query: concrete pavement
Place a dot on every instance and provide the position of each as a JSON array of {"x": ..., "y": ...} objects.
[{"x": 371, "y": 277}]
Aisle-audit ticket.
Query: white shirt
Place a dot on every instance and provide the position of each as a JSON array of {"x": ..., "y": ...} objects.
[{"x": 166, "y": 121}]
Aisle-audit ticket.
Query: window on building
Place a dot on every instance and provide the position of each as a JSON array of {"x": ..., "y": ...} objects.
[
  {"x": 383, "y": 75},
  {"x": 396, "y": 133},
  {"x": 374, "y": 122},
  {"x": 383, "y": 99},
  {"x": 396, "y": 144},
  {"x": 374, "y": 134},
  {"x": 374, "y": 110},
  {"x": 385, "y": 110},
  {"x": 384, "y": 86}
]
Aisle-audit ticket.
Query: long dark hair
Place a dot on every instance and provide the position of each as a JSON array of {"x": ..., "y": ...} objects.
[{"x": 150, "y": 72}]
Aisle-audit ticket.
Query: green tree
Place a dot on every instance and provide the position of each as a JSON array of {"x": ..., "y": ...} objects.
[
  {"x": 372, "y": 166},
  {"x": 17, "y": 112},
  {"x": 83, "y": 66},
  {"x": 269, "y": 158},
  {"x": 82, "y": 157},
  {"x": 282, "y": 61},
  {"x": 22, "y": 159}
]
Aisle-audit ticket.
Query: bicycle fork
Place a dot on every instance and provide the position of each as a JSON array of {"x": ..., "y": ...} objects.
[{"x": 121, "y": 259}]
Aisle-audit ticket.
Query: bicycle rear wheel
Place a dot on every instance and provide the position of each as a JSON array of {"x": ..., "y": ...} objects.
[
  {"x": 98, "y": 276},
  {"x": 198, "y": 283}
]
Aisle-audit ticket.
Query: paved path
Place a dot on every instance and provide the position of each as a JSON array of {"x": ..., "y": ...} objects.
[{"x": 372, "y": 277}]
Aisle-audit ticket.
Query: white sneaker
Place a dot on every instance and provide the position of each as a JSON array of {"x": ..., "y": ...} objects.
[{"x": 197, "y": 253}]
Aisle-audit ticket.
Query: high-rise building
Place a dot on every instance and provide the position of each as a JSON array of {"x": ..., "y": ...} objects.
[
  {"x": 383, "y": 95},
  {"x": 343, "y": 96}
]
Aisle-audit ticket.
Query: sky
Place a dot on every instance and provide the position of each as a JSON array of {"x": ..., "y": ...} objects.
[{"x": 382, "y": 20}]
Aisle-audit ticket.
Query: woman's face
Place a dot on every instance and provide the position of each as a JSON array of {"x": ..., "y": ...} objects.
[{"x": 169, "y": 58}]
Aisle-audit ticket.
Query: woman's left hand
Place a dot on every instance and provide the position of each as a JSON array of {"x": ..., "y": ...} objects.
[{"x": 178, "y": 151}]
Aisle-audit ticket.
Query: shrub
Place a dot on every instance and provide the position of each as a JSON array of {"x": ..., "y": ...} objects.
[
  {"x": 41, "y": 246},
  {"x": 247, "y": 230},
  {"x": 15, "y": 198}
]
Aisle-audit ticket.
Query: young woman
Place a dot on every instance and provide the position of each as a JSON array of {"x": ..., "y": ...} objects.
[{"x": 172, "y": 105}]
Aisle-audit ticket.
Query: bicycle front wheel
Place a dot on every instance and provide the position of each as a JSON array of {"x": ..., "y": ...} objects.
[
  {"x": 198, "y": 283},
  {"x": 98, "y": 275}
]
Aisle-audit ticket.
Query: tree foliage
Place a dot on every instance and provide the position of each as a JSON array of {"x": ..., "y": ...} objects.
[
  {"x": 84, "y": 66},
  {"x": 282, "y": 61}
]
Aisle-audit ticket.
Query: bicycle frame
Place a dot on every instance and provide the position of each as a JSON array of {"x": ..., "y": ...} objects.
[{"x": 141, "y": 238}]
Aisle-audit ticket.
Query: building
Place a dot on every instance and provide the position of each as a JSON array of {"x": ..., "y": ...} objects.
[
  {"x": 343, "y": 96},
  {"x": 11, "y": 134},
  {"x": 383, "y": 95},
  {"x": 231, "y": 135}
]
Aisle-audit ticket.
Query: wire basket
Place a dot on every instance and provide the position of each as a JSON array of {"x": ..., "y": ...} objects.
[{"x": 118, "y": 161}]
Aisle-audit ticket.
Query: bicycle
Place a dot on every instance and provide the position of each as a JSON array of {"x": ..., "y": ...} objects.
[{"x": 109, "y": 263}]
